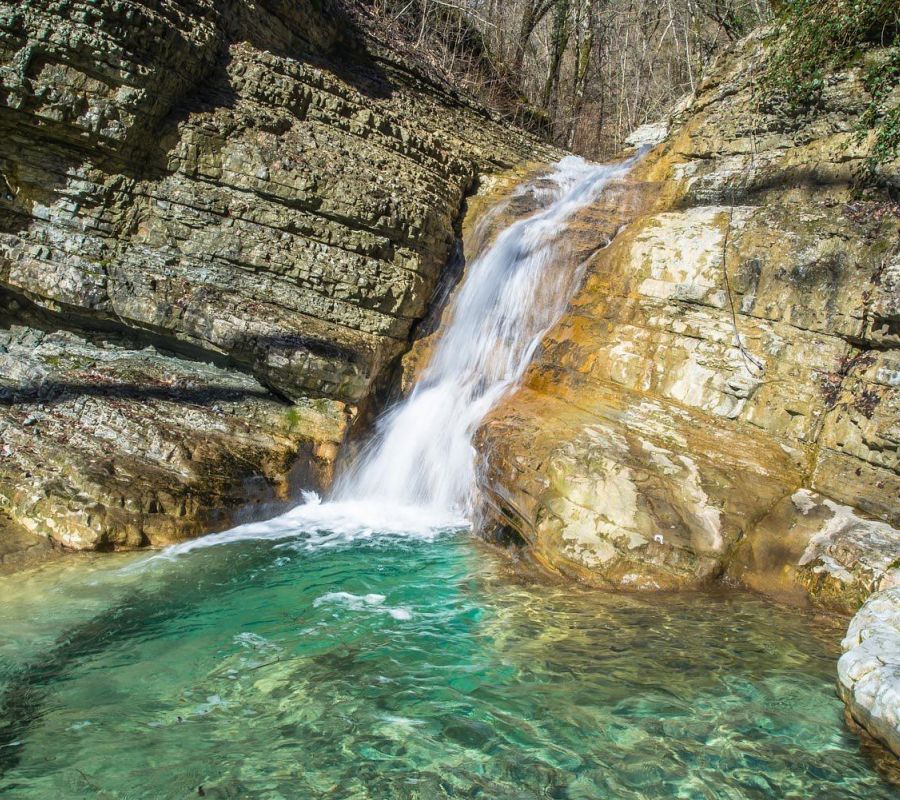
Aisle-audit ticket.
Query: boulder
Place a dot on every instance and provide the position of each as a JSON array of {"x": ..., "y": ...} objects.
[{"x": 869, "y": 669}]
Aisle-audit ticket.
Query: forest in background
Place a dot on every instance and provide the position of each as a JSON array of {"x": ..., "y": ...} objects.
[
  {"x": 584, "y": 73},
  {"x": 580, "y": 73}
]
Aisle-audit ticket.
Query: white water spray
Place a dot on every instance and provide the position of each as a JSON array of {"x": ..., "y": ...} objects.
[
  {"x": 422, "y": 452},
  {"x": 417, "y": 474}
]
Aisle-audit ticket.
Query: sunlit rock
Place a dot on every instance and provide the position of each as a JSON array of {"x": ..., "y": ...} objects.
[
  {"x": 869, "y": 670},
  {"x": 733, "y": 344},
  {"x": 811, "y": 547}
]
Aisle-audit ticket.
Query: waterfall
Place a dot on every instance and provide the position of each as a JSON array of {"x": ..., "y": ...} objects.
[
  {"x": 422, "y": 452},
  {"x": 417, "y": 475}
]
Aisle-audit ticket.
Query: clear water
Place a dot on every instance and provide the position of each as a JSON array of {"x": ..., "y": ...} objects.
[{"x": 402, "y": 667}]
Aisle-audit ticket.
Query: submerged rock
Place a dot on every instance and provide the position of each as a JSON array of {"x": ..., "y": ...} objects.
[{"x": 722, "y": 397}]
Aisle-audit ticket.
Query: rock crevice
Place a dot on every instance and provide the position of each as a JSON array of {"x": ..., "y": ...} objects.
[{"x": 259, "y": 185}]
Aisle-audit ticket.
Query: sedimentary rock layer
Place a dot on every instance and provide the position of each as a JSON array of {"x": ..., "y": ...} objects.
[
  {"x": 260, "y": 185},
  {"x": 723, "y": 392},
  {"x": 109, "y": 445},
  {"x": 722, "y": 399}
]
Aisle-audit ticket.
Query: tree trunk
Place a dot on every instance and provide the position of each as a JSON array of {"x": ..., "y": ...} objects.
[
  {"x": 559, "y": 40},
  {"x": 584, "y": 46},
  {"x": 533, "y": 13}
]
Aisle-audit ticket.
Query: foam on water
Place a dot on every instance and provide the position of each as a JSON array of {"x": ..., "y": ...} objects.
[
  {"x": 315, "y": 524},
  {"x": 354, "y": 601},
  {"x": 405, "y": 671},
  {"x": 260, "y": 679},
  {"x": 365, "y": 602},
  {"x": 416, "y": 477}
]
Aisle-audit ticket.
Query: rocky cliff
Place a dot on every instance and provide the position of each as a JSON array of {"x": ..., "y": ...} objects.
[
  {"x": 219, "y": 222},
  {"x": 723, "y": 393},
  {"x": 722, "y": 399}
]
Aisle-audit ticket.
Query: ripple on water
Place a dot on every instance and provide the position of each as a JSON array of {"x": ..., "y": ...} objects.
[{"x": 411, "y": 669}]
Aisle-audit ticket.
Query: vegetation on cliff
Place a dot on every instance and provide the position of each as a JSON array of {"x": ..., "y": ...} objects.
[
  {"x": 816, "y": 38},
  {"x": 222, "y": 223},
  {"x": 585, "y": 73}
]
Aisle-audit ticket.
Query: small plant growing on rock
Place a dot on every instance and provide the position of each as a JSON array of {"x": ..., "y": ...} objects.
[{"x": 815, "y": 37}]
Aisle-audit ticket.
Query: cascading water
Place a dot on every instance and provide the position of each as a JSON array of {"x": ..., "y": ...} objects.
[
  {"x": 417, "y": 474},
  {"x": 422, "y": 452}
]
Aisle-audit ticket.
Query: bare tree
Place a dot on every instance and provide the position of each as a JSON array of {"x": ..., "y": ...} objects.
[
  {"x": 531, "y": 15},
  {"x": 583, "y": 73},
  {"x": 559, "y": 40}
]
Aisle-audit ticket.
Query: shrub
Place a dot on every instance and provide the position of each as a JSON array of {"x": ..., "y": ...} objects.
[{"x": 815, "y": 37}]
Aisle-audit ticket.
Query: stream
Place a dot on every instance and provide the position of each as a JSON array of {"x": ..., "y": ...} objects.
[{"x": 369, "y": 646}]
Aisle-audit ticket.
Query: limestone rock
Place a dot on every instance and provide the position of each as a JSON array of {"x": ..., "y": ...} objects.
[
  {"x": 733, "y": 344},
  {"x": 648, "y": 135},
  {"x": 129, "y": 447},
  {"x": 285, "y": 196},
  {"x": 869, "y": 669},
  {"x": 262, "y": 185},
  {"x": 20, "y": 549},
  {"x": 808, "y": 546}
]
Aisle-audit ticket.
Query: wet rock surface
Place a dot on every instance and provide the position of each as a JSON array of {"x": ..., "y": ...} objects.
[
  {"x": 735, "y": 343},
  {"x": 20, "y": 549},
  {"x": 869, "y": 669},
  {"x": 263, "y": 186},
  {"x": 810, "y": 546}
]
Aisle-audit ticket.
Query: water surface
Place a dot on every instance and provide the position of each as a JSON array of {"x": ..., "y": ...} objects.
[
  {"x": 403, "y": 667},
  {"x": 369, "y": 648}
]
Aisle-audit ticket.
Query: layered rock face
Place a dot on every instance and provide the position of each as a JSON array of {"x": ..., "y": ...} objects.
[
  {"x": 107, "y": 445},
  {"x": 258, "y": 191},
  {"x": 722, "y": 399},
  {"x": 723, "y": 393}
]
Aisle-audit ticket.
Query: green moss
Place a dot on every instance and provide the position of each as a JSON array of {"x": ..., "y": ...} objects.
[
  {"x": 322, "y": 405},
  {"x": 816, "y": 37},
  {"x": 293, "y": 417}
]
